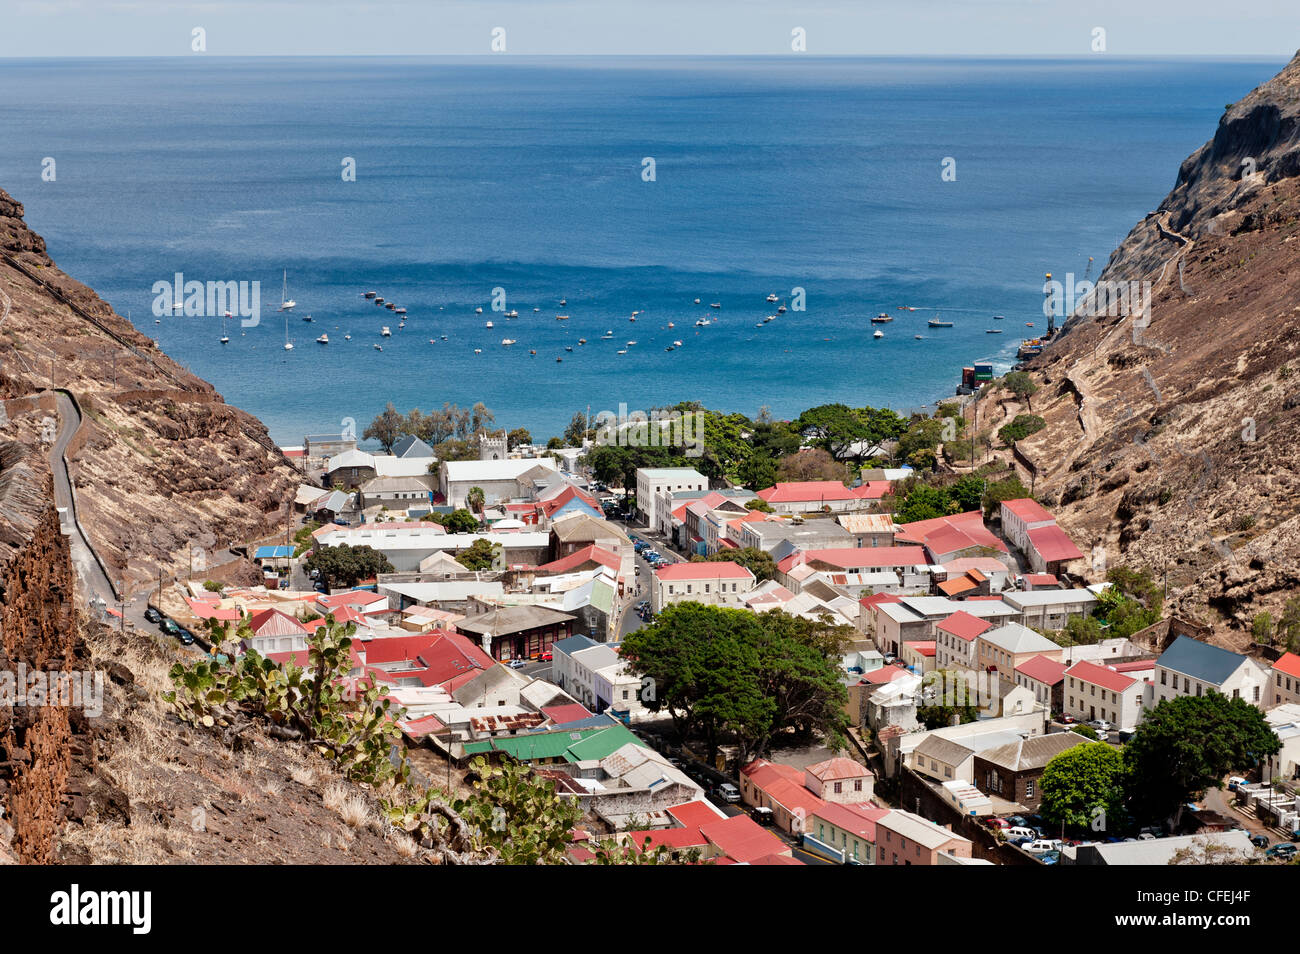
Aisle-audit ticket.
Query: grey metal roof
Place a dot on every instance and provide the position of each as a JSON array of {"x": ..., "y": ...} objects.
[{"x": 1201, "y": 661}]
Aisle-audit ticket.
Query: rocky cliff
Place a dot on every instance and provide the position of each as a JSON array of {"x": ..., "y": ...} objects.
[
  {"x": 1172, "y": 419},
  {"x": 162, "y": 463}
]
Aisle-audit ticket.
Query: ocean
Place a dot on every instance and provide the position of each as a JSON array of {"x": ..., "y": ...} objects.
[{"x": 530, "y": 175}]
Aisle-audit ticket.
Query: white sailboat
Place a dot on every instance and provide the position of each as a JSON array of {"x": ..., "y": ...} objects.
[
  {"x": 288, "y": 345},
  {"x": 225, "y": 338},
  {"x": 286, "y": 303}
]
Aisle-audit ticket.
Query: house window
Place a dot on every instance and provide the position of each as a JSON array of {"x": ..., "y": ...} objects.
[
  {"x": 1029, "y": 789},
  {"x": 857, "y": 785},
  {"x": 839, "y": 787},
  {"x": 1257, "y": 693},
  {"x": 1162, "y": 677},
  {"x": 1187, "y": 684}
]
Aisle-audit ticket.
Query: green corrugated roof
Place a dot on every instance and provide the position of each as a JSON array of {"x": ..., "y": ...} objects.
[
  {"x": 589, "y": 744},
  {"x": 600, "y": 744}
]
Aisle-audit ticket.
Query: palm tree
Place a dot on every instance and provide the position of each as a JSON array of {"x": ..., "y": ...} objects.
[{"x": 476, "y": 499}]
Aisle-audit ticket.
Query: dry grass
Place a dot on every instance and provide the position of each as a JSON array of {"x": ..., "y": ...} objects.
[{"x": 349, "y": 805}]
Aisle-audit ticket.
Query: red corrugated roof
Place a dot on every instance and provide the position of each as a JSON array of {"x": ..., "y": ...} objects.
[
  {"x": 588, "y": 554},
  {"x": 1101, "y": 676},
  {"x": 703, "y": 570},
  {"x": 963, "y": 625},
  {"x": 694, "y": 813},
  {"x": 1044, "y": 669},
  {"x": 838, "y": 769},
  {"x": 1030, "y": 511},
  {"x": 572, "y": 712},
  {"x": 883, "y": 675},
  {"x": 859, "y": 819},
  {"x": 847, "y": 558},
  {"x": 1288, "y": 663},
  {"x": 743, "y": 839},
  {"x": 1054, "y": 544}
]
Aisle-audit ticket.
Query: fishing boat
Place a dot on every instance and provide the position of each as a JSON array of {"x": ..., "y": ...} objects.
[
  {"x": 488, "y": 325},
  {"x": 669, "y": 348},
  {"x": 906, "y": 308},
  {"x": 769, "y": 318},
  {"x": 478, "y": 311},
  {"x": 444, "y": 337},
  {"x": 563, "y": 302},
  {"x": 323, "y": 339},
  {"x": 882, "y": 318},
  {"x": 1029, "y": 324},
  {"x": 512, "y": 314},
  {"x": 780, "y": 310},
  {"x": 632, "y": 318},
  {"x": 379, "y": 300},
  {"x": 671, "y": 325},
  {"x": 998, "y": 317},
  {"x": 697, "y": 301},
  {"x": 772, "y": 298},
  {"x": 917, "y": 337},
  {"x": 878, "y": 334},
  {"x": 507, "y": 341},
  {"x": 390, "y": 306},
  {"x": 606, "y": 336},
  {"x": 401, "y": 324},
  {"x": 558, "y": 360},
  {"x": 716, "y": 304},
  {"x": 700, "y": 323},
  {"x": 384, "y": 332},
  {"x": 370, "y": 294},
  {"x": 623, "y": 351},
  {"x": 347, "y": 337},
  {"x": 306, "y": 317},
  {"x": 379, "y": 347},
  {"x": 537, "y": 309},
  {"x": 631, "y": 343},
  {"x": 561, "y": 317},
  {"x": 532, "y": 352},
  {"x": 400, "y": 311},
  {"x": 993, "y": 331},
  {"x": 936, "y": 323},
  {"x": 582, "y": 341},
  {"x": 568, "y": 348},
  {"x": 677, "y": 344},
  {"x": 478, "y": 350},
  {"x": 225, "y": 339}
]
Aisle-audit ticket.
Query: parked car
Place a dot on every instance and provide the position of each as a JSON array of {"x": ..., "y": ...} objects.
[
  {"x": 1235, "y": 782},
  {"x": 728, "y": 793},
  {"x": 1101, "y": 726},
  {"x": 994, "y": 822},
  {"x": 1259, "y": 841},
  {"x": 152, "y": 615},
  {"x": 1050, "y": 857},
  {"x": 547, "y": 656},
  {"x": 518, "y": 663},
  {"x": 1283, "y": 851},
  {"x": 1125, "y": 735},
  {"x": 1067, "y": 720},
  {"x": 168, "y": 627},
  {"x": 764, "y": 816},
  {"x": 185, "y": 636},
  {"x": 1043, "y": 845},
  {"x": 1017, "y": 834}
]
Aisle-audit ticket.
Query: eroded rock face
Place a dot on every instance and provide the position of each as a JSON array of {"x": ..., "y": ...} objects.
[
  {"x": 1173, "y": 444},
  {"x": 162, "y": 464}
]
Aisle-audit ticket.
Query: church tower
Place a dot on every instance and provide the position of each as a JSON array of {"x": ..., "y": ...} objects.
[{"x": 491, "y": 448}]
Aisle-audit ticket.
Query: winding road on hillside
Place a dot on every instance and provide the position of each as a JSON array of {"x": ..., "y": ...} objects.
[{"x": 90, "y": 569}]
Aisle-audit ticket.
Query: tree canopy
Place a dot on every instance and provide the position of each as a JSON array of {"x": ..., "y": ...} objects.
[
  {"x": 1188, "y": 744},
  {"x": 1083, "y": 788},
  {"x": 347, "y": 565}
]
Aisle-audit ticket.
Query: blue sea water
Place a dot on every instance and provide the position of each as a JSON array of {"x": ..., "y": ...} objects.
[{"x": 527, "y": 174}]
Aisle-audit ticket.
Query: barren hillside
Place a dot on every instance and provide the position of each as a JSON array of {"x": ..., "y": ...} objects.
[{"x": 1172, "y": 434}]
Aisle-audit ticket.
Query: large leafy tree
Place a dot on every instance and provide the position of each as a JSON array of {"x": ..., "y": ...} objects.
[
  {"x": 387, "y": 428},
  {"x": 924, "y": 503},
  {"x": 1083, "y": 788},
  {"x": 815, "y": 464},
  {"x": 482, "y": 554},
  {"x": 754, "y": 677},
  {"x": 346, "y": 565},
  {"x": 835, "y": 428},
  {"x": 1187, "y": 745}
]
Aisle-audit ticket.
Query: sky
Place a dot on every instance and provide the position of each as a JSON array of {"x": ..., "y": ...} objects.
[{"x": 48, "y": 28}]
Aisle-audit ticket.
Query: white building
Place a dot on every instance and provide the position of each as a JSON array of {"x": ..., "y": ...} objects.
[
  {"x": 651, "y": 481},
  {"x": 1099, "y": 692},
  {"x": 1190, "y": 667},
  {"x": 1051, "y": 609},
  {"x": 498, "y": 479},
  {"x": 716, "y": 584}
]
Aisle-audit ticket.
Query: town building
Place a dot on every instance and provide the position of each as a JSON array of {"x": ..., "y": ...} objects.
[
  {"x": 1100, "y": 692},
  {"x": 840, "y": 780},
  {"x": 1004, "y": 648},
  {"x": 500, "y": 480},
  {"x": 517, "y": 632},
  {"x": 1189, "y": 667},
  {"x": 652, "y": 481},
  {"x": 903, "y": 838},
  {"x": 1045, "y": 678},
  {"x": 716, "y": 584},
  {"x": 1013, "y": 771},
  {"x": 826, "y": 496},
  {"x": 1285, "y": 687}
]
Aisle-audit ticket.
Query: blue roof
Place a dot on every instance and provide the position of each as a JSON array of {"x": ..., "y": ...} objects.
[
  {"x": 273, "y": 553},
  {"x": 1199, "y": 660},
  {"x": 573, "y": 644}
]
